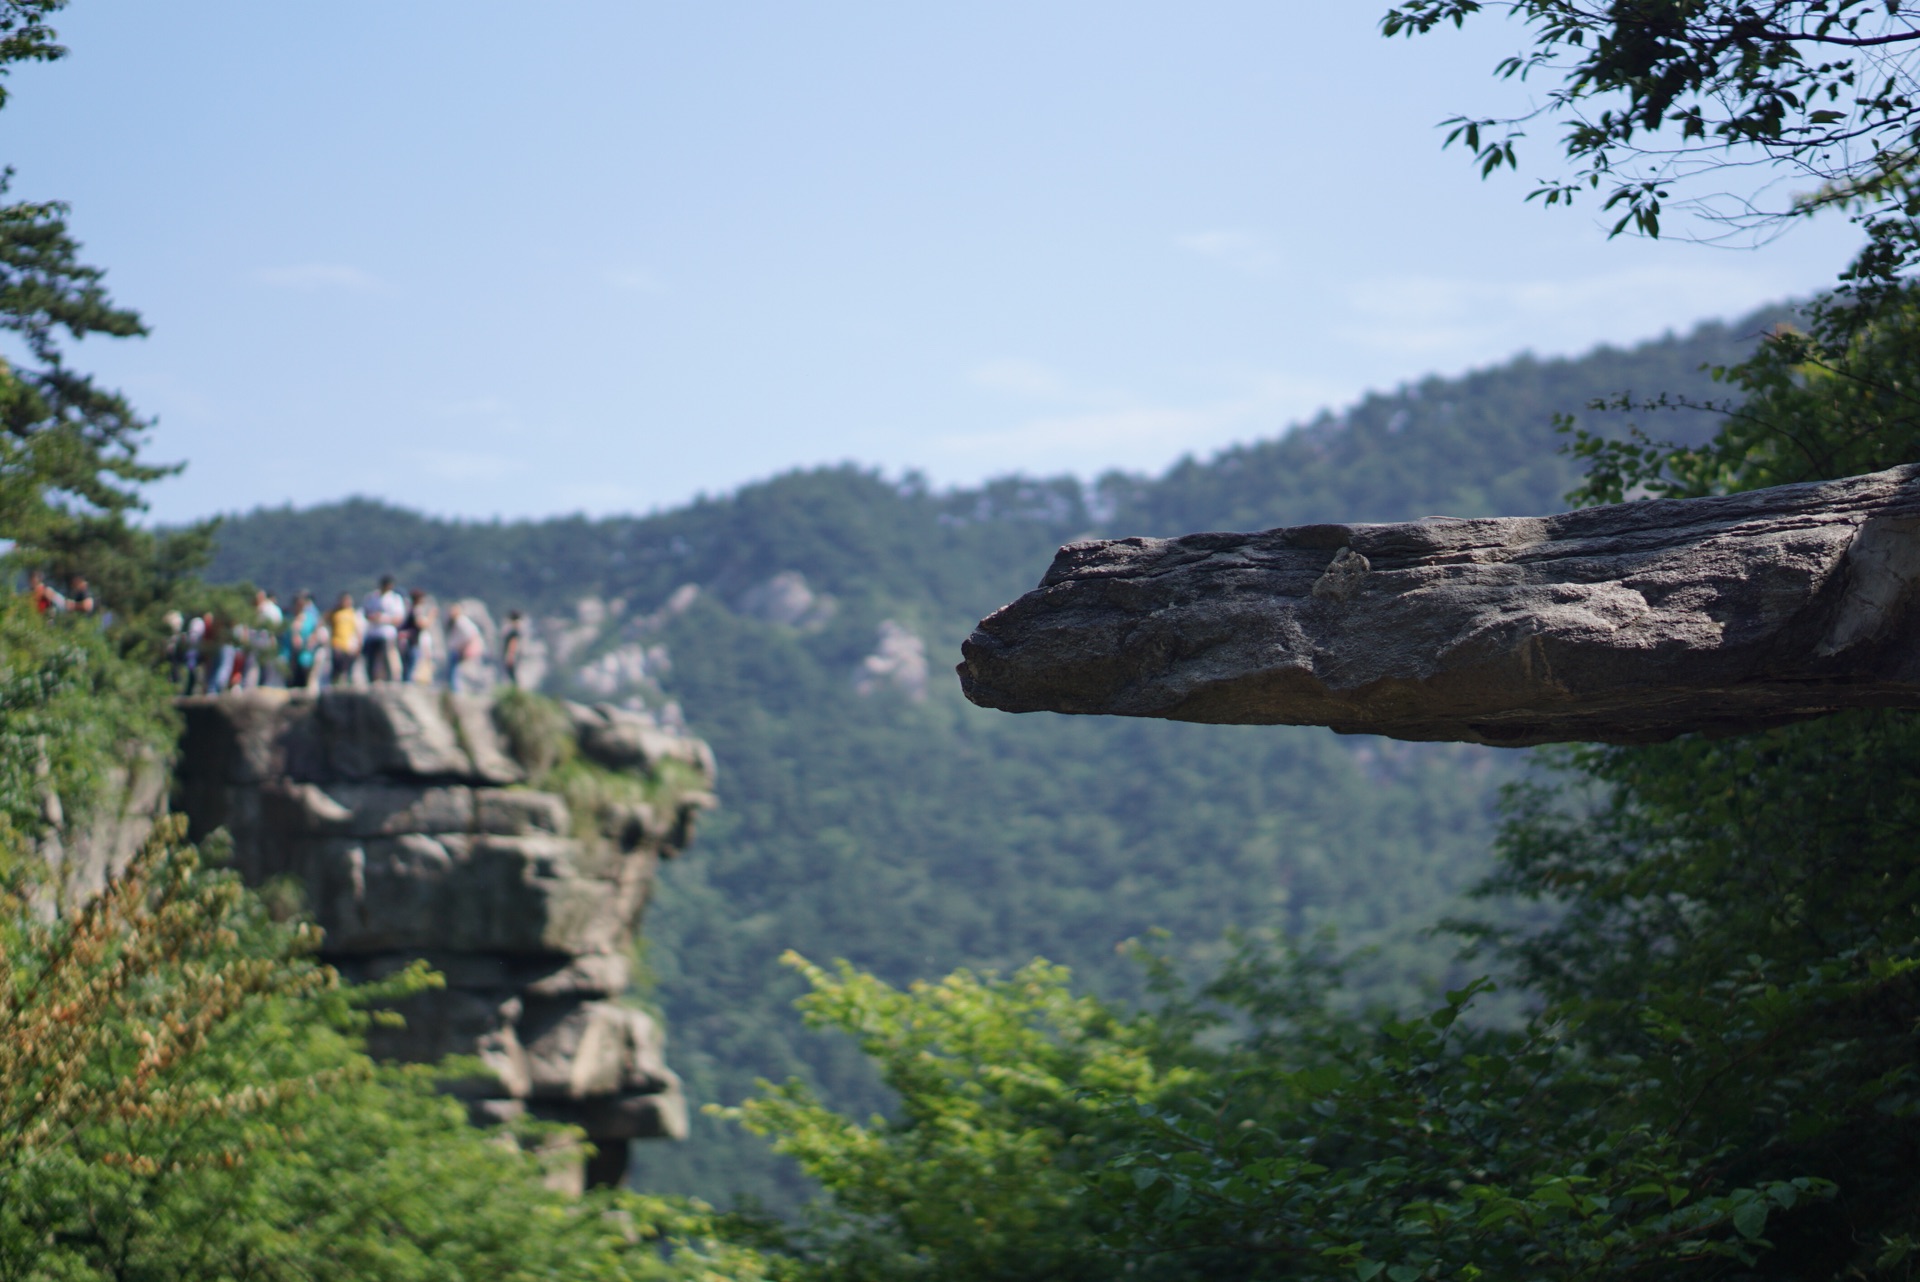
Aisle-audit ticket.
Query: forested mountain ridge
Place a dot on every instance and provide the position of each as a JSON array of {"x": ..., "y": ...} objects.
[{"x": 868, "y": 812}]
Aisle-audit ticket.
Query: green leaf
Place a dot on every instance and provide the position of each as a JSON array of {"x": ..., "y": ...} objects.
[
  {"x": 1750, "y": 1219},
  {"x": 1555, "y": 1195}
]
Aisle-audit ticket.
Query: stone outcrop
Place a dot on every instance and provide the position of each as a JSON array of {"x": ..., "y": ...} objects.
[
  {"x": 404, "y": 815},
  {"x": 86, "y": 853},
  {"x": 1628, "y": 623}
]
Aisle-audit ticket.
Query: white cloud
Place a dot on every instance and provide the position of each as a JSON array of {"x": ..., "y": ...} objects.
[
  {"x": 317, "y": 276},
  {"x": 1240, "y": 249}
]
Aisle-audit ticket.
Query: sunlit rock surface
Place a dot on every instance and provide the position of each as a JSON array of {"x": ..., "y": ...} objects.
[
  {"x": 1628, "y": 623},
  {"x": 403, "y": 815}
]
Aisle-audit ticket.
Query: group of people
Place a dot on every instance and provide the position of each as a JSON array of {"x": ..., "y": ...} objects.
[
  {"x": 78, "y": 598},
  {"x": 389, "y": 636}
]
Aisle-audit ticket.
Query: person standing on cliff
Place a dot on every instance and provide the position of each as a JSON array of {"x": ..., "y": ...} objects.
[
  {"x": 300, "y": 646},
  {"x": 512, "y": 640},
  {"x": 217, "y": 652},
  {"x": 421, "y": 660},
  {"x": 194, "y": 640},
  {"x": 418, "y": 619},
  {"x": 263, "y": 641},
  {"x": 176, "y": 626},
  {"x": 386, "y": 610},
  {"x": 343, "y": 634},
  {"x": 466, "y": 651}
]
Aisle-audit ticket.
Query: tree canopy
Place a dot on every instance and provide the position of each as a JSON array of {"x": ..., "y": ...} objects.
[{"x": 1747, "y": 112}]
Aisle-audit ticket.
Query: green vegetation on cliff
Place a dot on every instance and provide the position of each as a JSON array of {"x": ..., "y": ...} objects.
[
  {"x": 183, "y": 1095},
  {"x": 71, "y": 712}
]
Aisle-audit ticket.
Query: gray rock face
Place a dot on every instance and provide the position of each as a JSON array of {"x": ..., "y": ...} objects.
[
  {"x": 400, "y": 811},
  {"x": 622, "y": 739},
  {"x": 87, "y": 851},
  {"x": 1629, "y": 623}
]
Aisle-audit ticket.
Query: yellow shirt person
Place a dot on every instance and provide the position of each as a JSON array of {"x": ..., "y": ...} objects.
[{"x": 344, "y": 630}]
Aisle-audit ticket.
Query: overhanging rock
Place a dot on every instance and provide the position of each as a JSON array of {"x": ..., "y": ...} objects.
[{"x": 1628, "y": 623}]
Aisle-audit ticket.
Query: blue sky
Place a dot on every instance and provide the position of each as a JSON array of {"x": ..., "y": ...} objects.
[{"x": 490, "y": 259}]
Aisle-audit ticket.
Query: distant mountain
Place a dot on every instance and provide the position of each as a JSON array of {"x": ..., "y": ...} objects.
[
  {"x": 806, "y": 626},
  {"x": 1478, "y": 445}
]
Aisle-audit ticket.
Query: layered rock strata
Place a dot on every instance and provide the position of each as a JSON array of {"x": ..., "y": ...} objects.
[
  {"x": 1628, "y": 623},
  {"x": 405, "y": 817}
]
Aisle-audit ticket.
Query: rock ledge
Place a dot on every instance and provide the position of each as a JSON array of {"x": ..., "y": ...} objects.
[{"x": 1628, "y": 623}]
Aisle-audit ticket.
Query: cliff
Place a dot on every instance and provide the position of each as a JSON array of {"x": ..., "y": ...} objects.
[{"x": 510, "y": 845}]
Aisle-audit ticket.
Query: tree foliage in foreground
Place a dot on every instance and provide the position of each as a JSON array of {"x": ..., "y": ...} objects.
[
  {"x": 181, "y": 1096},
  {"x": 1247, "y": 1131},
  {"x": 1654, "y": 97}
]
